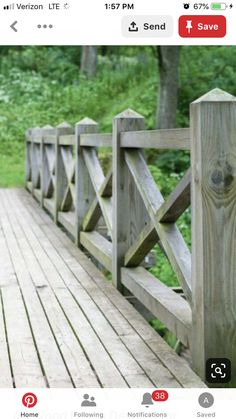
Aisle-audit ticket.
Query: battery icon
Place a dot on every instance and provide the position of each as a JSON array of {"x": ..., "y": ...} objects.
[{"x": 218, "y": 6}]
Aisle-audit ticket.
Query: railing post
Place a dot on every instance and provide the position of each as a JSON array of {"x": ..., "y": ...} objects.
[
  {"x": 126, "y": 121},
  {"x": 213, "y": 154},
  {"x": 35, "y": 158},
  {"x": 60, "y": 173},
  {"x": 46, "y": 130},
  {"x": 84, "y": 192},
  {"x": 28, "y": 159}
]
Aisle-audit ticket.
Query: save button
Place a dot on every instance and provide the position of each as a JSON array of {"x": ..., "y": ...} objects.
[{"x": 202, "y": 26}]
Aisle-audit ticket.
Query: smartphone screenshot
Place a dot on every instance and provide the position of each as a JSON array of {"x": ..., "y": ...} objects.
[{"x": 117, "y": 209}]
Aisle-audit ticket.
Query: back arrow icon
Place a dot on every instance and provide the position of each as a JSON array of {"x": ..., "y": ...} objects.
[{"x": 13, "y": 26}]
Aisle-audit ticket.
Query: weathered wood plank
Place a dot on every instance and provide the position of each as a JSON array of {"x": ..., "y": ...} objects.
[
  {"x": 67, "y": 220},
  {"x": 84, "y": 189},
  {"x": 126, "y": 121},
  {"x": 94, "y": 213},
  {"x": 50, "y": 139},
  {"x": 96, "y": 140},
  {"x": 106, "y": 187},
  {"x": 97, "y": 178},
  {"x": 164, "y": 303},
  {"x": 171, "y": 239},
  {"x": 29, "y": 186},
  {"x": 7, "y": 278},
  {"x": 37, "y": 194},
  {"x": 175, "y": 365},
  {"x": 105, "y": 353},
  {"x": 61, "y": 162},
  {"x": 213, "y": 148},
  {"x": 99, "y": 247},
  {"x": 27, "y": 370},
  {"x": 28, "y": 158},
  {"x": 53, "y": 366},
  {"x": 177, "y": 139},
  {"x": 92, "y": 217},
  {"x": 37, "y": 261},
  {"x": 177, "y": 202},
  {"x": 47, "y": 169},
  {"x": 158, "y": 373},
  {"x": 36, "y": 158},
  {"x": 24, "y": 359},
  {"x": 67, "y": 139},
  {"x": 48, "y": 203},
  {"x": 142, "y": 246},
  {"x": 6, "y": 375}
]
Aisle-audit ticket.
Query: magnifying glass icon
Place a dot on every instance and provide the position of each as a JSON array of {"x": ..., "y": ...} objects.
[{"x": 218, "y": 370}]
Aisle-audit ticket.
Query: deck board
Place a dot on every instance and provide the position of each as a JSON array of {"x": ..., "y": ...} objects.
[{"x": 81, "y": 331}]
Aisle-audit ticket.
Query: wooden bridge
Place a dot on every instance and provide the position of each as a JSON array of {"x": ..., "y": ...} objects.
[{"x": 63, "y": 324}]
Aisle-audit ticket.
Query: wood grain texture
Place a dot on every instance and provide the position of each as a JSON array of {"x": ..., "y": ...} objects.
[
  {"x": 136, "y": 334},
  {"x": 126, "y": 121},
  {"x": 171, "y": 239},
  {"x": 164, "y": 303},
  {"x": 98, "y": 180},
  {"x": 98, "y": 247},
  {"x": 96, "y": 140},
  {"x": 178, "y": 139},
  {"x": 84, "y": 189},
  {"x": 213, "y": 142},
  {"x": 177, "y": 202},
  {"x": 141, "y": 246},
  {"x": 62, "y": 178}
]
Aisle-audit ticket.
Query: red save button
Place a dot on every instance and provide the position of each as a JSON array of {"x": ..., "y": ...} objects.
[{"x": 202, "y": 26}]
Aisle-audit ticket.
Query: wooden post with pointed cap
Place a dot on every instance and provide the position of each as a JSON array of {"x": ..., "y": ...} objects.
[
  {"x": 84, "y": 194},
  {"x": 125, "y": 121},
  {"x": 213, "y": 161},
  {"x": 60, "y": 174}
]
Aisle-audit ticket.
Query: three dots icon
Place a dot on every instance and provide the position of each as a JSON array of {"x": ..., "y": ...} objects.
[{"x": 44, "y": 26}]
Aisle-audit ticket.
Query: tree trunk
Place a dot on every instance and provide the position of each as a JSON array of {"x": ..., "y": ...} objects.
[
  {"x": 88, "y": 65},
  {"x": 168, "y": 62}
]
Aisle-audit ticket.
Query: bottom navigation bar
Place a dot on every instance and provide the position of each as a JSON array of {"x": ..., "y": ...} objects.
[{"x": 117, "y": 403}]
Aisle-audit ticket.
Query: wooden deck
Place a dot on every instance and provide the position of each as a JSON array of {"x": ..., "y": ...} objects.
[{"x": 61, "y": 323}]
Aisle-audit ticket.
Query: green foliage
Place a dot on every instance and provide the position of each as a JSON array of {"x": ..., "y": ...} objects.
[
  {"x": 163, "y": 270},
  {"x": 42, "y": 85},
  {"x": 202, "y": 68},
  {"x": 164, "y": 332}
]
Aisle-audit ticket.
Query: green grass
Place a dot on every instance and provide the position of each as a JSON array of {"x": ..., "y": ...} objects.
[{"x": 11, "y": 164}]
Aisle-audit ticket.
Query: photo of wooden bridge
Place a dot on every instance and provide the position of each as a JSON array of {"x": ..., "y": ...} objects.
[{"x": 62, "y": 323}]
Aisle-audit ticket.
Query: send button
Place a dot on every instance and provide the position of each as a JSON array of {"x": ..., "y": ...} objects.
[{"x": 147, "y": 26}]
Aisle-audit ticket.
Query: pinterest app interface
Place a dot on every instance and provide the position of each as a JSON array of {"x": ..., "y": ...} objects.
[{"x": 117, "y": 209}]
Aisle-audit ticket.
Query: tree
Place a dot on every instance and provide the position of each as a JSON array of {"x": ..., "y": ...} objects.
[
  {"x": 168, "y": 63},
  {"x": 88, "y": 64}
]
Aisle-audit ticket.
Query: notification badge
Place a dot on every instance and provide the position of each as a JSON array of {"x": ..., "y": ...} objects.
[
  {"x": 29, "y": 400},
  {"x": 202, "y": 26},
  {"x": 160, "y": 396}
]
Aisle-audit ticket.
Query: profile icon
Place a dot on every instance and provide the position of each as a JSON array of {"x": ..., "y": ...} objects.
[{"x": 88, "y": 401}]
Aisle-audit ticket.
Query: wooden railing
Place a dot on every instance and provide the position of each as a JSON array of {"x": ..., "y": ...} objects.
[{"x": 64, "y": 174}]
